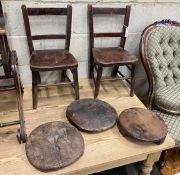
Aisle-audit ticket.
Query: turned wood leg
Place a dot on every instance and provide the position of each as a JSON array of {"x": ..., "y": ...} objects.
[
  {"x": 34, "y": 89},
  {"x": 132, "y": 80},
  {"x": 63, "y": 75},
  {"x": 97, "y": 81},
  {"x": 38, "y": 78},
  {"x": 148, "y": 163},
  {"x": 91, "y": 67},
  {"x": 76, "y": 82},
  {"x": 114, "y": 71}
]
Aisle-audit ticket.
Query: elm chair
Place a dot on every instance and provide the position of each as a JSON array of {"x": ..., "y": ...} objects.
[
  {"x": 111, "y": 56},
  {"x": 160, "y": 55},
  {"x": 50, "y": 60},
  {"x": 8, "y": 63}
]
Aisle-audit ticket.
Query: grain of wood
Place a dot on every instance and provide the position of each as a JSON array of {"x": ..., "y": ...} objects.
[{"x": 103, "y": 151}]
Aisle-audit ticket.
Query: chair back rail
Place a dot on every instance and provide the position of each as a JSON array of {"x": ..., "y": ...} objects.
[
  {"x": 94, "y": 11},
  {"x": 47, "y": 12}
]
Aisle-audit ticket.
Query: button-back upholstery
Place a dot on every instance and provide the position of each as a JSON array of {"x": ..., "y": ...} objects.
[
  {"x": 163, "y": 53},
  {"x": 160, "y": 55},
  {"x": 162, "y": 50}
]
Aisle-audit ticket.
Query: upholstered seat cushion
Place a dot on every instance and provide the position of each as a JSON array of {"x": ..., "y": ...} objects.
[
  {"x": 173, "y": 123},
  {"x": 168, "y": 98}
]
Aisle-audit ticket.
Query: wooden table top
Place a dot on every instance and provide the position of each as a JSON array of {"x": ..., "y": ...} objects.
[{"x": 102, "y": 150}]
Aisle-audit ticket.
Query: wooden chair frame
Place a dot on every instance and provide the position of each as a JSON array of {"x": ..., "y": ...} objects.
[
  {"x": 92, "y": 11},
  {"x": 9, "y": 63},
  {"x": 36, "y": 80}
]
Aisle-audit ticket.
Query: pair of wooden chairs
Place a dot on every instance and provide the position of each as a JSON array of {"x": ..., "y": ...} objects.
[
  {"x": 50, "y": 60},
  {"x": 8, "y": 63}
]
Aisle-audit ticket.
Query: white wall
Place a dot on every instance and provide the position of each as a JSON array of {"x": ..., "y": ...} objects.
[{"x": 143, "y": 13}]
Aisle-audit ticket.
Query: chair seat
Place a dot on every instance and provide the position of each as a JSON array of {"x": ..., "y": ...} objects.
[
  {"x": 47, "y": 60},
  {"x": 173, "y": 123},
  {"x": 113, "y": 56},
  {"x": 168, "y": 98}
]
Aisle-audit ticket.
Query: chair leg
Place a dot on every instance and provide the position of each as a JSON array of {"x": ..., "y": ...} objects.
[
  {"x": 97, "y": 81},
  {"x": 63, "y": 75},
  {"x": 114, "y": 71},
  {"x": 34, "y": 89},
  {"x": 165, "y": 154},
  {"x": 76, "y": 82},
  {"x": 39, "y": 77},
  {"x": 91, "y": 67},
  {"x": 132, "y": 80}
]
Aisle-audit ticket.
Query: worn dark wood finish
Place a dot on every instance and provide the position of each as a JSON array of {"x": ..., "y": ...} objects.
[
  {"x": 46, "y": 11},
  {"x": 90, "y": 115},
  {"x": 54, "y": 145},
  {"x": 59, "y": 60},
  {"x": 109, "y": 57},
  {"x": 112, "y": 56},
  {"x": 50, "y": 60},
  {"x": 144, "y": 57},
  {"x": 143, "y": 125},
  {"x": 9, "y": 64}
]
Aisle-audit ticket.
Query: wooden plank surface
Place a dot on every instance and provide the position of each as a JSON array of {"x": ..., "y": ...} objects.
[{"x": 102, "y": 150}]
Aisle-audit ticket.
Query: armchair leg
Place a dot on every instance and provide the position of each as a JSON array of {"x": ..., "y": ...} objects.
[
  {"x": 97, "y": 81},
  {"x": 76, "y": 82},
  {"x": 163, "y": 158},
  {"x": 34, "y": 89},
  {"x": 132, "y": 80}
]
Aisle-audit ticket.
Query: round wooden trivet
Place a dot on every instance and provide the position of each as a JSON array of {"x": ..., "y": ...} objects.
[
  {"x": 91, "y": 115},
  {"x": 143, "y": 125},
  {"x": 54, "y": 145}
]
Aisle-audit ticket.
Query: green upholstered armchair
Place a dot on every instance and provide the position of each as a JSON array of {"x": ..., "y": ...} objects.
[{"x": 160, "y": 55}]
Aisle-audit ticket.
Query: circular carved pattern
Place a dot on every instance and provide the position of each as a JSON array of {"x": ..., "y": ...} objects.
[
  {"x": 54, "y": 145},
  {"x": 143, "y": 125},
  {"x": 91, "y": 115}
]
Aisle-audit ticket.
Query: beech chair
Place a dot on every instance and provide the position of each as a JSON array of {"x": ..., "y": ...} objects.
[
  {"x": 50, "y": 60},
  {"x": 111, "y": 56},
  {"x": 8, "y": 63},
  {"x": 160, "y": 55}
]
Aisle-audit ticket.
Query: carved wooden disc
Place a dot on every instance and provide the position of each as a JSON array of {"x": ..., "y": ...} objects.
[
  {"x": 54, "y": 145},
  {"x": 91, "y": 115},
  {"x": 142, "y": 124}
]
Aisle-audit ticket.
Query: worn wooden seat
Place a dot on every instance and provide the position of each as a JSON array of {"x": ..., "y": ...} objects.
[
  {"x": 50, "y": 60},
  {"x": 90, "y": 115},
  {"x": 111, "y": 56},
  {"x": 143, "y": 125},
  {"x": 54, "y": 145}
]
